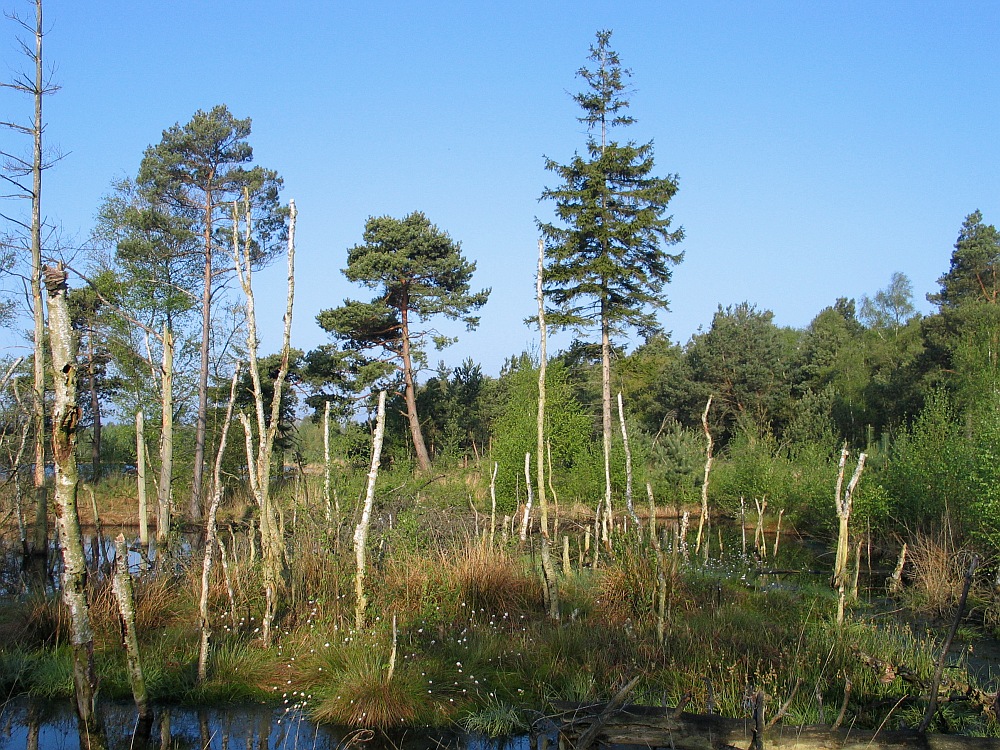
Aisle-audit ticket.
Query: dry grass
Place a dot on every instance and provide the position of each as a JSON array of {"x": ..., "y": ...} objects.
[{"x": 937, "y": 573}]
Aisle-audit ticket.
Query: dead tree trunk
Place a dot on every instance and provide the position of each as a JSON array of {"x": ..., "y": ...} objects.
[
  {"x": 259, "y": 459},
  {"x": 548, "y": 568},
  {"x": 140, "y": 476},
  {"x": 65, "y": 420},
  {"x": 704, "y": 520},
  {"x": 166, "y": 440},
  {"x": 844, "y": 503},
  {"x": 629, "y": 504},
  {"x": 125, "y": 595},
  {"x": 647, "y": 726},
  {"x": 361, "y": 531}
]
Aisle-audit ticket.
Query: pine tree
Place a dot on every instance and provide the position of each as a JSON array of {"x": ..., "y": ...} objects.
[
  {"x": 607, "y": 262},
  {"x": 196, "y": 171},
  {"x": 417, "y": 272}
]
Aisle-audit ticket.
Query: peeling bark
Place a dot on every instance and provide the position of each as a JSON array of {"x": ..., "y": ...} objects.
[{"x": 65, "y": 421}]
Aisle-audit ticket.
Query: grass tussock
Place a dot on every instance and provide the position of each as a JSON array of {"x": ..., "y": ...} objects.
[{"x": 937, "y": 569}]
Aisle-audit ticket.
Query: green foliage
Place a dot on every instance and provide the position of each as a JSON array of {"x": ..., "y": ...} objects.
[
  {"x": 417, "y": 272},
  {"x": 743, "y": 361},
  {"x": 974, "y": 266},
  {"x": 891, "y": 308},
  {"x": 756, "y": 467},
  {"x": 568, "y": 429},
  {"x": 928, "y": 470},
  {"x": 676, "y": 463},
  {"x": 455, "y": 408},
  {"x": 985, "y": 477},
  {"x": 606, "y": 256}
]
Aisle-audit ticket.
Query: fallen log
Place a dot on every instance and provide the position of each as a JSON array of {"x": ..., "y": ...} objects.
[{"x": 634, "y": 727}]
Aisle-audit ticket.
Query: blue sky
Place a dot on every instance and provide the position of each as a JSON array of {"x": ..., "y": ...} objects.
[{"x": 820, "y": 146}]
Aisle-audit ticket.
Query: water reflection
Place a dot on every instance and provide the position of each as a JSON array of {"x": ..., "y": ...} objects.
[{"x": 36, "y": 725}]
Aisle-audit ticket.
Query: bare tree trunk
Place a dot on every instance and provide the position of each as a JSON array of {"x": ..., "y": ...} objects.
[
  {"x": 124, "y": 594},
  {"x": 326, "y": 466},
  {"x": 95, "y": 410},
  {"x": 33, "y": 83},
  {"x": 709, "y": 444},
  {"x": 211, "y": 535},
  {"x": 166, "y": 441},
  {"x": 548, "y": 568},
  {"x": 271, "y": 532},
  {"x": 361, "y": 531},
  {"x": 895, "y": 582},
  {"x": 844, "y": 502},
  {"x": 493, "y": 502},
  {"x": 194, "y": 506},
  {"x": 628, "y": 467},
  {"x": 140, "y": 475},
  {"x": 606, "y": 410},
  {"x": 65, "y": 420},
  {"x": 526, "y": 518}
]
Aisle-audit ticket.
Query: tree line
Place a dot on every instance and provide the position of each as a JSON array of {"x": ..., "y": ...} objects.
[{"x": 158, "y": 331}]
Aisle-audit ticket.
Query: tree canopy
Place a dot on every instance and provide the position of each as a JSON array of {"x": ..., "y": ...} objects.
[{"x": 417, "y": 272}]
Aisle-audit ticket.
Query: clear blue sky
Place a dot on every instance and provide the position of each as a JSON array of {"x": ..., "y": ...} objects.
[{"x": 821, "y": 146}]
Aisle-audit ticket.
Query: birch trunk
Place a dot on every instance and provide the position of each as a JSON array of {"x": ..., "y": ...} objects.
[
  {"x": 548, "y": 568},
  {"x": 629, "y": 504},
  {"x": 709, "y": 444},
  {"x": 166, "y": 440},
  {"x": 65, "y": 420},
  {"x": 326, "y": 466},
  {"x": 125, "y": 596},
  {"x": 606, "y": 415},
  {"x": 211, "y": 535},
  {"x": 40, "y": 543},
  {"x": 259, "y": 458},
  {"x": 526, "y": 518},
  {"x": 140, "y": 476},
  {"x": 844, "y": 502},
  {"x": 493, "y": 502},
  {"x": 361, "y": 531}
]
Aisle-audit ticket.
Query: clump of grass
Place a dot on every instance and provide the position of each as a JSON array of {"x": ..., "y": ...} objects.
[
  {"x": 495, "y": 718},
  {"x": 34, "y": 621},
  {"x": 937, "y": 573},
  {"x": 493, "y": 581},
  {"x": 237, "y": 671},
  {"x": 350, "y": 684},
  {"x": 51, "y": 673}
]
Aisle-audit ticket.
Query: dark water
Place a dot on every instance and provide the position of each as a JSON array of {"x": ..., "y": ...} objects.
[{"x": 244, "y": 727}]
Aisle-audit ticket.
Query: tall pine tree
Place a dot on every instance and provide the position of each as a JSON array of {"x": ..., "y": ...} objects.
[
  {"x": 196, "y": 171},
  {"x": 607, "y": 262}
]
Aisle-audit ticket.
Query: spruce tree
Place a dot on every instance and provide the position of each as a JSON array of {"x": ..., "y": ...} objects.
[{"x": 606, "y": 253}]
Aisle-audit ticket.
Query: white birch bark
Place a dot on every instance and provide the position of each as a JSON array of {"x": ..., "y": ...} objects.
[
  {"x": 709, "y": 443},
  {"x": 211, "y": 534},
  {"x": 140, "y": 476},
  {"x": 629, "y": 504},
  {"x": 125, "y": 596},
  {"x": 65, "y": 421},
  {"x": 361, "y": 531},
  {"x": 548, "y": 568},
  {"x": 166, "y": 440},
  {"x": 259, "y": 456}
]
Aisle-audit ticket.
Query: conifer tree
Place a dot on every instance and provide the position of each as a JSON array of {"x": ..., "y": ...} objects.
[
  {"x": 196, "y": 171},
  {"x": 606, "y": 253},
  {"x": 417, "y": 272}
]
